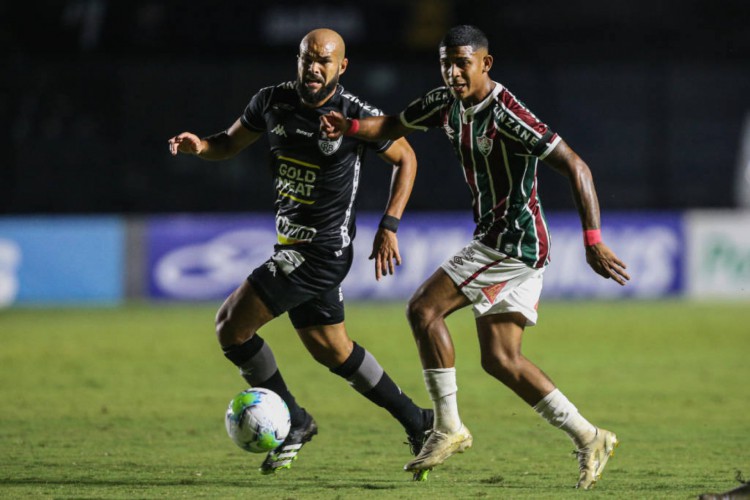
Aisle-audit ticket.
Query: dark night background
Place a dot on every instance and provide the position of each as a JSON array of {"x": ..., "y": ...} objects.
[{"x": 653, "y": 95}]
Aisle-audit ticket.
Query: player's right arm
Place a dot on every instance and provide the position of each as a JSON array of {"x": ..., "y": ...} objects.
[
  {"x": 372, "y": 128},
  {"x": 598, "y": 255},
  {"x": 220, "y": 146},
  {"x": 420, "y": 114}
]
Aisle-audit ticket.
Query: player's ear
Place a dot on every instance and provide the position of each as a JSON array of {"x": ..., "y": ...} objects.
[
  {"x": 487, "y": 62},
  {"x": 344, "y": 64}
]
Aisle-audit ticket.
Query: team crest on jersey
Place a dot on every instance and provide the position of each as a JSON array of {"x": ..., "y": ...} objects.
[
  {"x": 329, "y": 147},
  {"x": 484, "y": 144}
]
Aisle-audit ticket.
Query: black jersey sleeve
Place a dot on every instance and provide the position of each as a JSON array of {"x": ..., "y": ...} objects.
[{"x": 253, "y": 117}]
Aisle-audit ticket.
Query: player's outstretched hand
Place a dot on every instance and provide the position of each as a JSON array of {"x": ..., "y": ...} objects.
[
  {"x": 187, "y": 143},
  {"x": 333, "y": 125},
  {"x": 605, "y": 263},
  {"x": 385, "y": 253}
]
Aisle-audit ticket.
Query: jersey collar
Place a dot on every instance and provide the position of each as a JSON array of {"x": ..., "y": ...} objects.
[{"x": 468, "y": 113}]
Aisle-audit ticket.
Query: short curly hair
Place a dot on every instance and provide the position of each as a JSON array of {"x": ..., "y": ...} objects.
[{"x": 465, "y": 34}]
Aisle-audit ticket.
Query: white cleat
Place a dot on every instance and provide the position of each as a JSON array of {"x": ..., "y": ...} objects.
[
  {"x": 593, "y": 457},
  {"x": 438, "y": 447}
]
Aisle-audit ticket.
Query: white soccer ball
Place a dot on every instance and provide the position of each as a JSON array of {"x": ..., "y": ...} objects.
[{"x": 257, "y": 420}]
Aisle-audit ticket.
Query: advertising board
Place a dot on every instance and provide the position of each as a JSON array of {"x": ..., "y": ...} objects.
[
  {"x": 53, "y": 260},
  {"x": 206, "y": 257},
  {"x": 651, "y": 244},
  {"x": 718, "y": 254}
]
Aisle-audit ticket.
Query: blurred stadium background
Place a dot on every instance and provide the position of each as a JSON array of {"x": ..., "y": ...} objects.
[{"x": 653, "y": 95}]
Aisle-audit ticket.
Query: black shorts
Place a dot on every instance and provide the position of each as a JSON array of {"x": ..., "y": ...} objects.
[{"x": 304, "y": 281}]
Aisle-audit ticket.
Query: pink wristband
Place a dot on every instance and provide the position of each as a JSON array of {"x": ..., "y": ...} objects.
[
  {"x": 353, "y": 127},
  {"x": 592, "y": 237}
]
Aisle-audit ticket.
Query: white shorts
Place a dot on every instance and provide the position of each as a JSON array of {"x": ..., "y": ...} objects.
[{"x": 494, "y": 282}]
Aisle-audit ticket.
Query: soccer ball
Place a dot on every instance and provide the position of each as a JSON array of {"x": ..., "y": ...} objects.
[{"x": 257, "y": 420}]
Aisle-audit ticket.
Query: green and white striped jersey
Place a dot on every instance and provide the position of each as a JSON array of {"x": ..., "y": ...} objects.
[{"x": 498, "y": 142}]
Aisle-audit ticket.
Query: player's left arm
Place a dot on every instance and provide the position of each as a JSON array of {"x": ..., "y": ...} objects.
[
  {"x": 385, "y": 246},
  {"x": 598, "y": 255}
]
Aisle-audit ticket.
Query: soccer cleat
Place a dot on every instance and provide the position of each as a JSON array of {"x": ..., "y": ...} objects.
[
  {"x": 283, "y": 456},
  {"x": 416, "y": 441},
  {"x": 438, "y": 447},
  {"x": 593, "y": 457}
]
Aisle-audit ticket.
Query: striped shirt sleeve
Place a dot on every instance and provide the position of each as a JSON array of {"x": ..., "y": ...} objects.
[
  {"x": 424, "y": 113},
  {"x": 518, "y": 123}
]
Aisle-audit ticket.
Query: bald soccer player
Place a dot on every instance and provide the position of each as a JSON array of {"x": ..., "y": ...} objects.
[{"x": 316, "y": 182}]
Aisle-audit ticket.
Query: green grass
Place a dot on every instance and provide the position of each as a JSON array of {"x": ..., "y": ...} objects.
[{"x": 128, "y": 403}]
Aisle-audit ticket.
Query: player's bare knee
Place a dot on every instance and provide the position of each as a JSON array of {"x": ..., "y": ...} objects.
[
  {"x": 224, "y": 332},
  {"x": 420, "y": 314},
  {"x": 229, "y": 334}
]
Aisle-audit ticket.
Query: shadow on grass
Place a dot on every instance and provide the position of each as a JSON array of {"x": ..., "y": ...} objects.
[{"x": 136, "y": 483}]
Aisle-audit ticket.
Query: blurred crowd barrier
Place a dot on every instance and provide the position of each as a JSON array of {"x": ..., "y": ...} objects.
[{"x": 107, "y": 260}]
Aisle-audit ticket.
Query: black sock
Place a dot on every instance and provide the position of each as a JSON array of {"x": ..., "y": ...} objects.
[
  {"x": 276, "y": 384},
  {"x": 389, "y": 396},
  {"x": 365, "y": 374},
  {"x": 258, "y": 367}
]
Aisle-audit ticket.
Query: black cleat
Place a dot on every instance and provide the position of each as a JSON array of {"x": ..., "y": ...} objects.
[
  {"x": 416, "y": 441},
  {"x": 283, "y": 456}
]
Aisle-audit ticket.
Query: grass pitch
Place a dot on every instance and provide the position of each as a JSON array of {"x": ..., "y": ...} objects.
[{"x": 129, "y": 403}]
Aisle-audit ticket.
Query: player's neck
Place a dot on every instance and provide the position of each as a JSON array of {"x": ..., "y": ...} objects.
[{"x": 488, "y": 87}]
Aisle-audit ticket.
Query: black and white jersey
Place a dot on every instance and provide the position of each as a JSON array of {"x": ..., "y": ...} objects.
[{"x": 315, "y": 179}]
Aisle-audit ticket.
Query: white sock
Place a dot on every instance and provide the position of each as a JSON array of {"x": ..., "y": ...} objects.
[
  {"x": 556, "y": 409},
  {"x": 441, "y": 386}
]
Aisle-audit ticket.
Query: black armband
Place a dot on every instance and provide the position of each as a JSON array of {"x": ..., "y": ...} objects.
[{"x": 389, "y": 222}]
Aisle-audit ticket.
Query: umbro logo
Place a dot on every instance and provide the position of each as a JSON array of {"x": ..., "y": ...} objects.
[{"x": 279, "y": 130}]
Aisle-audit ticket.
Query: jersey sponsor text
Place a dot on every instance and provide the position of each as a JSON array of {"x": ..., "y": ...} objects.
[
  {"x": 290, "y": 233},
  {"x": 515, "y": 126}
]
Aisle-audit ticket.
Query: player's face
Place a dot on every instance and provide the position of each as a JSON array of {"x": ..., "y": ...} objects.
[
  {"x": 318, "y": 71},
  {"x": 466, "y": 72}
]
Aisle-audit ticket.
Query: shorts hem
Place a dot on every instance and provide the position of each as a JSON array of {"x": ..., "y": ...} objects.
[
  {"x": 529, "y": 320},
  {"x": 263, "y": 295},
  {"x": 304, "y": 324}
]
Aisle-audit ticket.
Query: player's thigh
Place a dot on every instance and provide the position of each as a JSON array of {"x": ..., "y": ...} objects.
[
  {"x": 320, "y": 325},
  {"x": 241, "y": 314},
  {"x": 437, "y": 296},
  {"x": 500, "y": 335}
]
